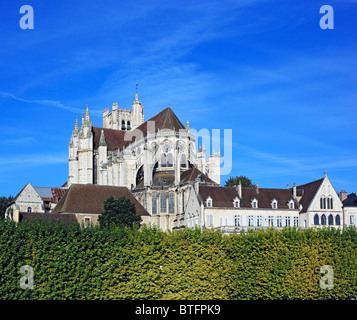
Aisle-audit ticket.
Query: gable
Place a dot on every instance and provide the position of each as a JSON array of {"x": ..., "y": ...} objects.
[
  {"x": 28, "y": 195},
  {"x": 193, "y": 203},
  {"x": 325, "y": 190},
  {"x": 115, "y": 139}
]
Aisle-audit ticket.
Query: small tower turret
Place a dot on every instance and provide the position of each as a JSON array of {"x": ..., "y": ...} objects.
[{"x": 137, "y": 112}]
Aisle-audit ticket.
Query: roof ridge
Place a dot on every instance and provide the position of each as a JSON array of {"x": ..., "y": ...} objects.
[{"x": 315, "y": 181}]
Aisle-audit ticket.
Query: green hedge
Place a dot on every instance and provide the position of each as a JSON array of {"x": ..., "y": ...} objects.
[{"x": 124, "y": 263}]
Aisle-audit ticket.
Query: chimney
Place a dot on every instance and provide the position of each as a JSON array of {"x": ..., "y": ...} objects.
[
  {"x": 343, "y": 195},
  {"x": 257, "y": 187},
  {"x": 239, "y": 189},
  {"x": 294, "y": 190}
]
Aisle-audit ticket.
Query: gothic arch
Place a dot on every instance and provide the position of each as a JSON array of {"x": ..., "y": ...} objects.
[
  {"x": 316, "y": 219},
  {"x": 139, "y": 175}
]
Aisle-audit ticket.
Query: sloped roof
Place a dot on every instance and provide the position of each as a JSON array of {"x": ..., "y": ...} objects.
[
  {"x": 309, "y": 191},
  {"x": 50, "y": 194},
  {"x": 223, "y": 196},
  {"x": 115, "y": 139},
  {"x": 53, "y": 217},
  {"x": 192, "y": 174},
  {"x": 350, "y": 201},
  {"x": 167, "y": 178},
  {"x": 46, "y": 193},
  {"x": 89, "y": 198}
]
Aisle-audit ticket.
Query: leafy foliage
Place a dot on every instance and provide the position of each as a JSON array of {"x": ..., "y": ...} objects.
[
  {"x": 4, "y": 202},
  {"x": 119, "y": 211},
  {"x": 234, "y": 181},
  {"x": 71, "y": 262}
]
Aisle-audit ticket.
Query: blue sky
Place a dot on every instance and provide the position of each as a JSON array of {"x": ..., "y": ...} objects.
[{"x": 264, "y": 69}]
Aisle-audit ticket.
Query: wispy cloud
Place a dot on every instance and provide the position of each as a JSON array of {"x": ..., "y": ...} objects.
[{"x": 52, "y": 103}]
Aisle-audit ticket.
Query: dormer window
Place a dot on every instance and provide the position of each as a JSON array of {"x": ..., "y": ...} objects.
[
  {"x": 291, "y": 204},
  {"x": 254, "y": 203},
  {"x": 236, "y": 202},
  {"x": 209, "y": 202},
  {"x": 274, "y": 204}
]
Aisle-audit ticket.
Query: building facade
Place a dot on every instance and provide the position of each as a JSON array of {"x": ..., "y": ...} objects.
[
  {"x": 36, "y": 199},
  {"x": 350, "y": 209},
  {"x": 157, "y": 165},
  {"x": 157, "y": 159},
  {"x": 315, "y": 204}
]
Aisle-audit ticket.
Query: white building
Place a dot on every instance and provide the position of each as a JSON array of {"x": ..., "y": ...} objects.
[
  {"x": 320, "y": 203},
  {"x": 350, "y": 209},
  {"x": 314, "y": 204},
  {"x": 35, "y": 199},
  {"x": 236, "y": 208}
]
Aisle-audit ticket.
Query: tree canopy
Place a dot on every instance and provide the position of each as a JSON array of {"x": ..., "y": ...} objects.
[
  {"x": 233, "y": 181},
  {"x": 119, "y": 211},
  {"x": 4, "y": 202}
]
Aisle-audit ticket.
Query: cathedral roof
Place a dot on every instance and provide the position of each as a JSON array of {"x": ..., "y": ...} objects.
[
  {"x": 89, "y": 198},
  {"x": 166, "y": 119},
  {"x": 168, "y": 178}
]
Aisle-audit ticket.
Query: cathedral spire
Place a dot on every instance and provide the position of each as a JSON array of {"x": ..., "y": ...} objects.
[
  {"x": 102, "y": 139},
  {"x": 76, "y": 127},
  {"x": 87, "y": 120},
  {"x": 137, "y": 111}
]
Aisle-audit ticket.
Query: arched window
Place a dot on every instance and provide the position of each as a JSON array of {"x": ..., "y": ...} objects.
[
  {"x": 128, "y": 125},
  {"x": 323, "y": 203},
  {"x": 183, "y": 161},
  {"x": 338, "y": 220},
  {"x": 329, "y": 203},
  {"x": 29, "y": 209},
  {"x": 254, "y": 203},
  {"x": 171, "y": 203},
  {"x": 236, "y": 202},
  {"x": 316, "y": 220},
  {"x": 170, "y": 161},
  {"x": 323, "y": 220},
  {"x": 183, "y": 200},
  {"x": 291, "y": 204},
  {"x": 163, "y": 202},
  {"x": 163, "y": 160},
  {"x": 123, "y": 125},
  {"x": 154, "y": 203},
  {"x": 209, "y": 202},
  {"x": 330, "y": 220}
]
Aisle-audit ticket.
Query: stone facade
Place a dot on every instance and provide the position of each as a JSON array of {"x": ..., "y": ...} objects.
[
  {"x": 36, "y": 199},
  {"x": 149, "y": 158}
]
